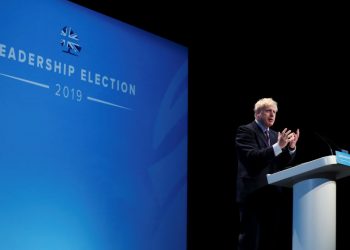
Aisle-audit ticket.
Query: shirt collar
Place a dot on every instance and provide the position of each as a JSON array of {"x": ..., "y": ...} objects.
[{"x": 261, "y": 126}]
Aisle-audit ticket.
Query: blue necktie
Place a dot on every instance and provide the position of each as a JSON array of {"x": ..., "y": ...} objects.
[{"x": 267, "y": 137}]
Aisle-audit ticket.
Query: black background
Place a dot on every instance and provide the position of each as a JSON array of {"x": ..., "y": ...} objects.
[{"x": 296, "y": 54}]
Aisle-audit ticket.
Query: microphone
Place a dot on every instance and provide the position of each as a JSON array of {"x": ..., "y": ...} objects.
[
  {"x": 331, "y": 145},
  {"x": 325, "y": 141}
]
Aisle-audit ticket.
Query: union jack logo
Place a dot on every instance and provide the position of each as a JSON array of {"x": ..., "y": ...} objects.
[{"x": 69, "y": 41}]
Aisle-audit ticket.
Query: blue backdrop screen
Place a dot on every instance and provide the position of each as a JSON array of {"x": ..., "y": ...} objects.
[{"x": 93, "y": 132}]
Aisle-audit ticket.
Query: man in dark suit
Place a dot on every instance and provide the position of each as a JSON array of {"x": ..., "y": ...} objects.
[{"x": 261, "y": 151}]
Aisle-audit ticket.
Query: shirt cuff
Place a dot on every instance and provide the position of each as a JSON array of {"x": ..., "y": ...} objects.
[
  {"x": 292, "y": 151},
  {"x": 277, "y": 149}
]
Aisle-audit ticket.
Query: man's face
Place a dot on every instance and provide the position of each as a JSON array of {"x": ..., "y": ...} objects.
[{"x": 267, "y": 116}]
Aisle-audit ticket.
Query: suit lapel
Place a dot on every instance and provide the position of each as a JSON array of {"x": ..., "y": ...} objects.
[
  {"x": 273, "y": 136},
  {"x": 260, "y": 135}
]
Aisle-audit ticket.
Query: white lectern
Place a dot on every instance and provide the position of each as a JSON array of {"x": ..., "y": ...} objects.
[{"x": 314, "y": 199}]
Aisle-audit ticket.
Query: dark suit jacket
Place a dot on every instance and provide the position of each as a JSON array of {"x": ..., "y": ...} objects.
[{"x": 256, "y": 159}]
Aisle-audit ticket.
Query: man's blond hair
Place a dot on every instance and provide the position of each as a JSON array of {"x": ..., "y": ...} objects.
[{"x": 264, "y": 103}]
